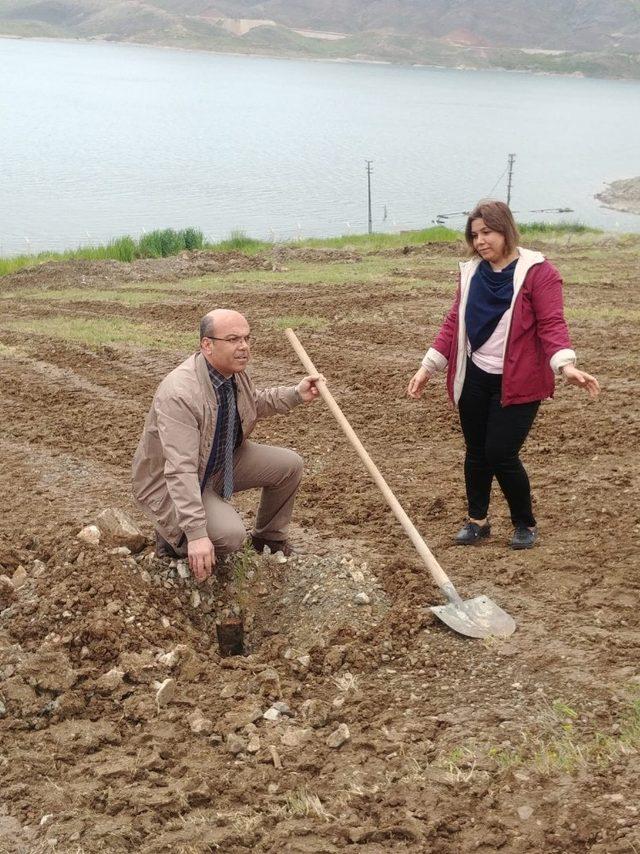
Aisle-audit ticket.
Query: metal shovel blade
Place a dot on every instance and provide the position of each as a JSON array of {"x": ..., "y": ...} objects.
[{"x": 476, "y": 618}]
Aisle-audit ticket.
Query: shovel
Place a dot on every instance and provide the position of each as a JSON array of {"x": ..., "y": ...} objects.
[{"x": 477, "y": 618}]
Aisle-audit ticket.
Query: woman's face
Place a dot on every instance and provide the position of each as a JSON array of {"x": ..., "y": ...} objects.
[{"x": 490, "y": 245}]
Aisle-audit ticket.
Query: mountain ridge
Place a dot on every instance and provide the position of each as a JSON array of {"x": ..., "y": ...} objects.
[{"x": 564, "y": 36}]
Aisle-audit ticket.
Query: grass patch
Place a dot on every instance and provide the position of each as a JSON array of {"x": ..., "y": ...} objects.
[
  {"x": 534, "y": 229},
  {"x": 132, "y": 298},
  {"x": 298, "y": 321},
  {"x": 300, "y": 803},
  {"x": 98, "y": 332},
  {"x": 380, "y": 240},
  {"x": 629, "y": 315},
  {"x": 155, "y": 244},
  {"x": 238, "y": 241},
  {"x": 563, "y": 746}
]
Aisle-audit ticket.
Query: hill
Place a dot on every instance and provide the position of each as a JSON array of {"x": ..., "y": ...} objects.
[{"x": 563, "y": 36}]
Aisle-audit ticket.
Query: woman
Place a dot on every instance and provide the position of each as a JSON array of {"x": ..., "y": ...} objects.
[{"x": 501, "y": 344}]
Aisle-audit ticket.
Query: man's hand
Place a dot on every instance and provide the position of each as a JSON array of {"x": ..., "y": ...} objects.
[
  {"x": 202, "y": 558},
  {"x": 308, "y": 389},
  {"x": 417, "y": 383},
  {"x": 583, "y": 380}
]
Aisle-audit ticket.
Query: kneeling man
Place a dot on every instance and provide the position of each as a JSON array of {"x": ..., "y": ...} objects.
[{"x": 194, "y": 452}]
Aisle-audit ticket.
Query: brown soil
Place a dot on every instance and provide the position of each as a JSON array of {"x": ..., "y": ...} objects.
[{"x": 517, "y": 745}]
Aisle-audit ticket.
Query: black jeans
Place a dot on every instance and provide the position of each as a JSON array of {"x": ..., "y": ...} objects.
[{"x": 494, "y": 435}]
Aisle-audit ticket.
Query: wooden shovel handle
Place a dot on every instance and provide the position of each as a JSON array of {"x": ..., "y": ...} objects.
[{"x": 439, "y": 575}]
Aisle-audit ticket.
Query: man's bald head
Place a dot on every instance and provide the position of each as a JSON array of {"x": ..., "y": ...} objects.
[
  {"x": 219, "y": 318},
  {"x": 224, "y": 340}
]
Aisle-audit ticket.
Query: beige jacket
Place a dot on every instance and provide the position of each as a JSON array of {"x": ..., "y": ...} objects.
[{"x": 172, "y": 455}]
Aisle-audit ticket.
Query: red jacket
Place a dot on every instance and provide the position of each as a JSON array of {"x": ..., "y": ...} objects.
[{"x": 537, "y": 342}]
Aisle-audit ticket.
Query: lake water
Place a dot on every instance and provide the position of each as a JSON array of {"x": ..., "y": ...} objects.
[{"x": 98, "y": 140}]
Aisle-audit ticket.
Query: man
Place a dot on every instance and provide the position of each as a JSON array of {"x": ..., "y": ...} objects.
[{"x": 194, "y": 452}]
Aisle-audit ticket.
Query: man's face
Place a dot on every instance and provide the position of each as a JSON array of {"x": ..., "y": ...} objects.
[{"x": 230, "y": 350}]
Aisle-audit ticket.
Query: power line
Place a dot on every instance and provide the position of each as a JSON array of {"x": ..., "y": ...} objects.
[
  {"x": 512, "y": 157},
  {"x": 369, "y": 171}
]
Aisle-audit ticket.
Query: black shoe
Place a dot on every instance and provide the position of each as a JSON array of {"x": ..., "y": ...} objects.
[
  {"x": 166, "y": 550},
  {"x": 283, "y": 546},
  {"x": 471, "y": 534},
  {"x": 523, "y": 537}
]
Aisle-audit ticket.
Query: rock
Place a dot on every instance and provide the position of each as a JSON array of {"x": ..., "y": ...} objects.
[
  {"x": 138, "y": 666},
  {"x": 279, "y": 557},
  {"x": 357, "y": 576},
  {"x": 39, "y": 568},
  {"x": 166, "y": 622},
  {"x": 254, "y": 744},
  {"x": 275, "y": 757},
  {"x": 121, "y": 551},
  {"x": 271, "y": 714},
  {"x": 270, "y": 684},
  {"x": 3, "y": 709},
  {"x": 195, "y": 599},
  {"x": 170, "y": 659},
  {"x": 315, "y": 713},
  {"x": 199, "y": 724},
  {"x": 525, "y": 812},
  {"x": 165, "y": 692},
  {"x": 145, "y": 576},
  {"x": 334, "y": 659},
  {"x": 110, "y": 681},
  {"x": 228, "y": 691},
  {"x": 304, "y": 661},
  {"x": 19, "y": 577},
  {"x": 339, "y": 736},
  {"x": 283, "y": 708},
  {"x": 247, "y": 712},
  {"x": 183, "y": 569},
  {"x": 235, "y": 743},
  {"x": 48, "y": 669},
  {"x": 295, "y": 737},
  {"x": 362, "y": 599},
  {"x": 90, "y": 535},
  {"x": 120, "y": 529},
  {"x": 7, "y": 592}
]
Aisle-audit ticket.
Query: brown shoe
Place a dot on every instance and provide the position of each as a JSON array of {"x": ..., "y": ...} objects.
[
  {"x": 165, "y": 549},
  {"x": 283, "y": 546}
]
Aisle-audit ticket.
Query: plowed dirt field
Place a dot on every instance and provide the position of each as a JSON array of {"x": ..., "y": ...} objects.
[{"x": 526, "y": 744}]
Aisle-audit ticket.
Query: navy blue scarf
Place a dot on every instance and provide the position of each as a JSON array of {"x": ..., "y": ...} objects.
[{"x": 490, "y": 295}]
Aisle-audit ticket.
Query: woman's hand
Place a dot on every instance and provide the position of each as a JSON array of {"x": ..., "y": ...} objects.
[
  {"x": 583, "y": 380},
  {"x": 417, "y": 383}
]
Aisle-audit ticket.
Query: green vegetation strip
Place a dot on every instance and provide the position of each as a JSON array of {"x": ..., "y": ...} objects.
[
  {"x": 298, "y": 321},
  {"x": 166, "y": 242},
  {"x": 97, "y": 332},
  {"x": 125, "y": 297},
  {"x": 155, "y": 244},
  {"x": 561, "y": 745}
]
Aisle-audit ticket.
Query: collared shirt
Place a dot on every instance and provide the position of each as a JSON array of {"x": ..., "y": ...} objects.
[{"x": 216, "y": 457}]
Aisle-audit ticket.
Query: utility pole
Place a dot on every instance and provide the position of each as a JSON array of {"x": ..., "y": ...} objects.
[
  {"x": 512, "y": 157},
  {"x": 369, "y": 171}
]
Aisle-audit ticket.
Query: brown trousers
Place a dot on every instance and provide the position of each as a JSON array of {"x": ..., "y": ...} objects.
[{"x": 278, "y": 471}]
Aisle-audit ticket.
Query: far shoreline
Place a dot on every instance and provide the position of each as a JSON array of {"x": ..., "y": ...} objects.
[{"x": 576, "y": 75}]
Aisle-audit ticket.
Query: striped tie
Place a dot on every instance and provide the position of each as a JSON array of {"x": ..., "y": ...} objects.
[{"x": 229, "y": 439}]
